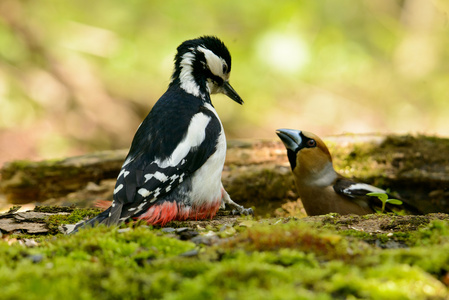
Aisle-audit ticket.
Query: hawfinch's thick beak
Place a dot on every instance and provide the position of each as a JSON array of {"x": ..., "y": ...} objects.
[
  {"x": 231, "y": 93},
  {"x": 290, "y": 137}
]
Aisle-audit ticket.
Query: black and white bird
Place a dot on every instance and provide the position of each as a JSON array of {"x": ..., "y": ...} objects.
[
  {"x": 321, "y": 188},
  {"x": 174, "y": 166}
]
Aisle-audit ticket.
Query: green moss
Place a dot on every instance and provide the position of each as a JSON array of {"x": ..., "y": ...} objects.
[
  {"x": 296, "y": 235},
  {"x": 13, "y": 209},
  {"x": 404, "y": 224},
  {"x": 362, "y": 235},
  {"x": 397, "y": 158},
  {"x": 54, "y": 209},
  {"x": 288, "y": 259},
  {"x": 98, "y": 262},
  {"x": 53, "y": 222},
  {"x": 436, "y": 233}
]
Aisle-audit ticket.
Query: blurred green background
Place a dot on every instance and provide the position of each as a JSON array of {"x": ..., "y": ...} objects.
[{"x": 78, "y": 76}]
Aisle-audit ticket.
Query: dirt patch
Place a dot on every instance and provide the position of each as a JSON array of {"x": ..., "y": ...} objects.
[{"x": 377, "y": 223}]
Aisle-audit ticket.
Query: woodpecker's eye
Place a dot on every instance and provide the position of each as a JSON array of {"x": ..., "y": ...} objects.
[
  {"x": 225, "y": 69},
  {"x": 311, "y": 143}
]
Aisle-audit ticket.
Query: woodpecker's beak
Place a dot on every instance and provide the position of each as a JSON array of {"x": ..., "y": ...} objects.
[
  {"x": 231, "y": 93},
  {"x": 290, "y": 137}
]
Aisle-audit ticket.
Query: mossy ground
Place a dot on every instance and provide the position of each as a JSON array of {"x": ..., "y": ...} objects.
[{"x": 328, "y": 257}]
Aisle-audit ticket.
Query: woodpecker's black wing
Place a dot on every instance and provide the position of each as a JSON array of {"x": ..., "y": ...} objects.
[
  {"x": 357, "y": 191},
  {"x": 175, "y": 139}
]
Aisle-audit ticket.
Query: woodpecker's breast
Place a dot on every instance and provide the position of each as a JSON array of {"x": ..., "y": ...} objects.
[{"x": 206, "y": 182}]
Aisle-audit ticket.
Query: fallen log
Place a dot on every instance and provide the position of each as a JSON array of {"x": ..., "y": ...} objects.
[{"x": 256, "y": 172}]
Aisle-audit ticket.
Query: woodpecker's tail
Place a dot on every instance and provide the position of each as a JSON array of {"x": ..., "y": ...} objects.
[{"x": 99, "y": 219}]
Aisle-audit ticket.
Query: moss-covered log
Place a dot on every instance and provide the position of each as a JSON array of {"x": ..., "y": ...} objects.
[
  {"x": 25, "y": 181},
  {"x": 256, "y": 172}
]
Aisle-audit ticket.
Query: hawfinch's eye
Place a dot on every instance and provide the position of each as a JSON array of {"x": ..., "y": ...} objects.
[{"x": 311, "y": 143}]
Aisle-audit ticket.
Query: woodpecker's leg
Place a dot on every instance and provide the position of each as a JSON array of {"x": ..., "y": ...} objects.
[{"x": 238, "y": 209}]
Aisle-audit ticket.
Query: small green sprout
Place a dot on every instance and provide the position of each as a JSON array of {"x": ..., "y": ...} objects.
[{"x": 384, "y": 198}]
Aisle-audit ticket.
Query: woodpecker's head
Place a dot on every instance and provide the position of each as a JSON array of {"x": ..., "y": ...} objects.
[
  {"x": 202, "y": 67},
  {"x": 309, "y": 157}
]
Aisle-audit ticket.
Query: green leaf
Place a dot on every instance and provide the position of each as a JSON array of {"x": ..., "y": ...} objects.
[
  {"x": 382, "y": 196},
  {"x": 394, "y": 201}
]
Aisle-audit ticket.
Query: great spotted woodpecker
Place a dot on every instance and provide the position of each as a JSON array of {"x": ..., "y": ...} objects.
[{"x": 174, "y": 166}]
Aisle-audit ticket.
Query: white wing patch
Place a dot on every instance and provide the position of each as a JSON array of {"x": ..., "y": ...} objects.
[
  {"x": 173, "y": 178},
  {"x": 143, "y": 192},
  {"x": 123, "y": 172},
  {"x": 195, "y": 136},
  {"x": 118, "y": 188},
  {"x": 158, "y": 175},
  {"x": 136, "y": 209},
  {"x": 363, "y": 186},
  {"x": 157, "y": 192},
  {"x": 127, "y": 161}
]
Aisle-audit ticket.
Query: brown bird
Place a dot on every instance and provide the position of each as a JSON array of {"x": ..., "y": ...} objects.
[{"x": 321, "y": 188}]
